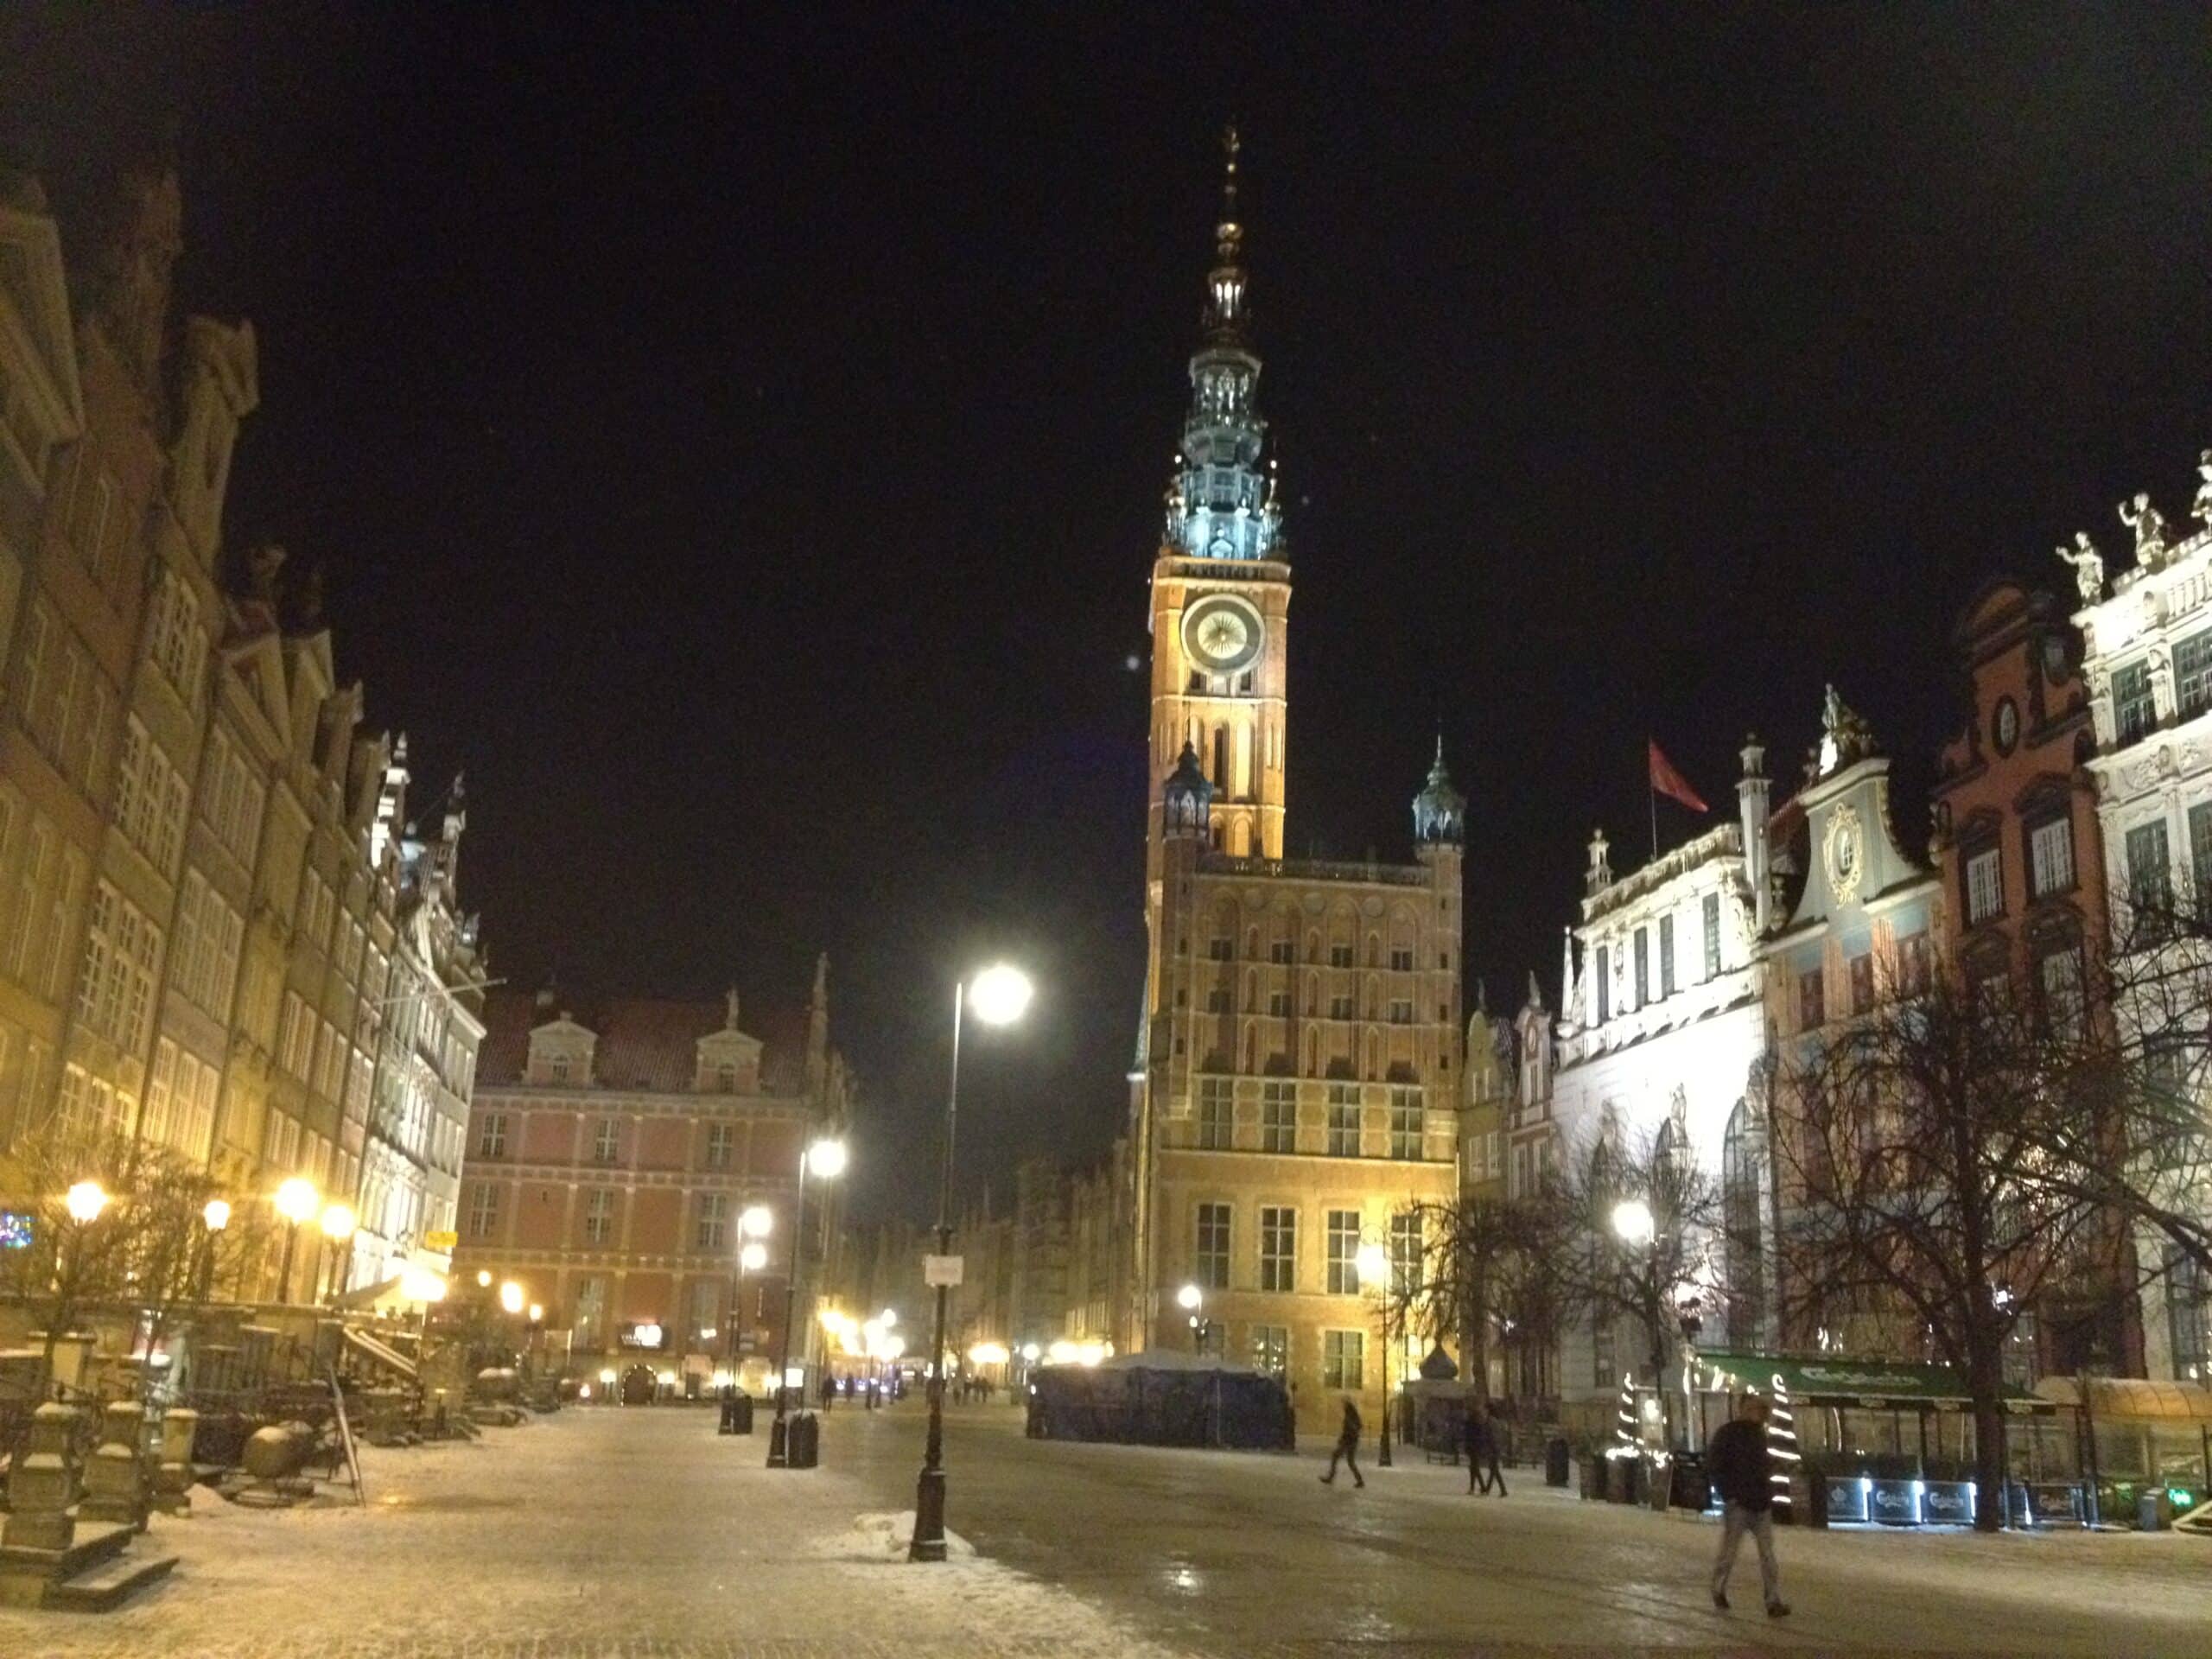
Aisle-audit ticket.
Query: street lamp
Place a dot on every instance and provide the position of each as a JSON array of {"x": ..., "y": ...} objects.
[
  {"x": 1637, "y": 1227},
  {"x": 754, "y": 1223},
  {"x": 1372, "y": 1263},
  {"x": 999, "y": 996},
  {"x": 215, "y": 1217},
  {"x": 826, "y": 1160},
  {"x": 510, "y": 1297},
  {"x": 1190, "y": 1298},
  {"x": 338, "y": 1224},
  {"x": 297, "y": 1200}
]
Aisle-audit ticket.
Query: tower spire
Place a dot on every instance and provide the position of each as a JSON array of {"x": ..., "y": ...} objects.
[{"x": 1222, "y": 505}]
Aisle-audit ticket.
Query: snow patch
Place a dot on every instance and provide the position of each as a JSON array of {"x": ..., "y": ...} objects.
[{"x": 892, "y": 1534}]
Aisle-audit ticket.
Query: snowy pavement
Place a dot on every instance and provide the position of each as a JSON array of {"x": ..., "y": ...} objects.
[
  {"x": 1248, "y": 1554},
  {"x": 643, "y": 1535},
  {"x": 615, "y": 1534}
]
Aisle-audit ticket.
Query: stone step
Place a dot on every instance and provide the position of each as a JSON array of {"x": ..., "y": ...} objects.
[
  {"x": 95, "y": 1543},
  {"x": 109, "y": 1585}
]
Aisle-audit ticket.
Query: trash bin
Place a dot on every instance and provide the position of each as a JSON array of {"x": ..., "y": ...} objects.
[
  {"x": 740, "y": 1414},
  {"x": 805, "y": 1441},
  {"x": 1692, "y": 1489},
  {"x": 2154, "y": 1510},
  {"x": 1556, "y": 1457}
]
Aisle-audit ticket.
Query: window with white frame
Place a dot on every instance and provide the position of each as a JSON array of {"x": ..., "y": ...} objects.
[
  {"x": 1406, "y": 1260},
  {"x": 604, "y": 1140},
  {"x": 1278, "y": 1117},
  {"x": 2050, "y": 856},
  {"x": 492, "y": 1135},
  {"x": 1271, "y": 1350},
  {"x": 1210, "y": 1252},
  {"x": 1343, "y": 1119},
  {"x": 713, "y": 1208},
  {"x": 1278, "y": 1247},
  {"x": 1344, "y": 1360},
  {"x": 1341, "y": 1235},
  {"x": 1408, "y": 1121},
  {"x": 483, "y": 1210},
  {"x": 2150, "y": 870},
  {"x": 2193, "y": 675},
  {"x": 2058, "y": 974},
  {"x": 1709, "y": 910},
  {"x": 2200, "y": 851},
  {"x": 1985, "y": 885},
  {"x": 2133, "y": 706},
  {"x": 722, "y": 1140},
  {"x": 1215, "y": 1113}
]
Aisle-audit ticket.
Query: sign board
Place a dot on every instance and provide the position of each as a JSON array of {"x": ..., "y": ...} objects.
[
  {"x": 445, "y": 1240},
  {"x": 645, "y": 1335},
  {"x": 942, "y": 1271}
]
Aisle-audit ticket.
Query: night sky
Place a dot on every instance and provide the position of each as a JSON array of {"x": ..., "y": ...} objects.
[{"x": 739, "y": 443}]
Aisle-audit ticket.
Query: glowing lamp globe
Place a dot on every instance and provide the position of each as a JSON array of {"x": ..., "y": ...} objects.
[
  {"x": 338, "y": 1222},
  {"x": 296, "y": 1199},
  {"x": 217, "y": 1215},
  {"x": 510, "y": 1297},
  {"x": 1633, "y": 1222},
  {"x": 85, "y": 1201},
  {"x": 1189, "y": 1297},
  {"x": 757, "y": 1221},
  {"x": 1000, "y": 995},
  {"x": 826, "y": 1160},
  {"x": 753, "y": 1257}
]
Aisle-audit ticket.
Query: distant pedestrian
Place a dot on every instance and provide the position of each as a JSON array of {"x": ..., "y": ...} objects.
[
  {"x": 1478, "y": 1434},
  {"x": 1347, "y": 1446},
  {"x": 1743, "y": 1470}
]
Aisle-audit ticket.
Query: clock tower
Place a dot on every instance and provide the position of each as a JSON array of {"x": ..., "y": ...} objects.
[{"x": 1221, "y": 586}]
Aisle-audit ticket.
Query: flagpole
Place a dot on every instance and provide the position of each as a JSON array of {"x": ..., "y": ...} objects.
[{"x": 1652, "y": 797}]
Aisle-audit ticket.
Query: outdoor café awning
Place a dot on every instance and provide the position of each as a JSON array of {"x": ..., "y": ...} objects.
[
  {"x": 2132, "y": 1400},
  {"x": 1840, "y": 1380}
]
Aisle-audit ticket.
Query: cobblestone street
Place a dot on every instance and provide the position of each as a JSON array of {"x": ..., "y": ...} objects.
[{"x": 641, "y": 1535}]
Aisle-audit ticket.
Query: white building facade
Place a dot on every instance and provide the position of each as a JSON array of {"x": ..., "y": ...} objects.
[{"x": 2148, "y": 663}]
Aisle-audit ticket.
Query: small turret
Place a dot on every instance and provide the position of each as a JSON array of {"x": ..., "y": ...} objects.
[
  {"x": 1599, "y": 875},
  {"x": 1752, "y": 806},
  {"x": 1439, "y": 811},
  {"x": 1188, "y": 798}
]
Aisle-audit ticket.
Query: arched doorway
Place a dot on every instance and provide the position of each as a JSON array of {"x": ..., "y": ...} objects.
[{"x": 638, "y": 1385}]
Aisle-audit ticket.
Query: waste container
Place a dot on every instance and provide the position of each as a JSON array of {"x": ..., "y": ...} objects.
[
  {"x": 740, "y": 1410},
  {"x": 2154, "y": 1510},
  {"x": 1692, "y": 1489},
  {"x": 805, "y": 1441},
  {"x": 1555, "y": 1458}
]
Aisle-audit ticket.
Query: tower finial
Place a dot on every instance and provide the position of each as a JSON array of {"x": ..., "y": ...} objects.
[{"x": 1229, "y": 147}]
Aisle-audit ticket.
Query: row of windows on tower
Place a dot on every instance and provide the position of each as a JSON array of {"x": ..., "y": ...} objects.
[
  {"x": 1339, "y": 1134},
  {"x": 1222, "y": 947}
]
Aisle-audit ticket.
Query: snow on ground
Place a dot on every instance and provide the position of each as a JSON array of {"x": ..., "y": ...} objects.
[{"x": 630, "y": 1532}]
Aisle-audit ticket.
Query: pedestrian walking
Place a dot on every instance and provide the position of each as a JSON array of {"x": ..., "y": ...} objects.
[
  {"x": 1347, "y": 1446},
  {"x": 1743, "y": 1469},
  {"x": 1478, "y": 1434}
]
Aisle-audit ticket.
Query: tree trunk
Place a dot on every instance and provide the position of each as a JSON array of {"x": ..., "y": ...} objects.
[{"x": 1985, "y": 1383}]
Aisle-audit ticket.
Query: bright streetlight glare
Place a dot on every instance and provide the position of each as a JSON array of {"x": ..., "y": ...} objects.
[
  {"x": 1632, "y": 1221},
  {"x": 1029, "y": 1352},
  {"x": 826, "y": 1160},
  {"x": 537, "y": 1313},
  {"x": 296, "y": 1199},
  {"x": 1189, "y": 1298},
  {"x": 890, "y": 1318},
  {"x": 338, "y": 1222},
  {"x": 1000, "y": 995},
  {"x": 753, "y": 1257},
  {"x": 1372, "y": 1263},
  {"x": 758, "y": 1221},
  {"x": 510, "y": 1297},
  {"x": 85, "y": 1200},
  {"x": 217, "y": 1215},
  {"x": 483, "y": 1278}
]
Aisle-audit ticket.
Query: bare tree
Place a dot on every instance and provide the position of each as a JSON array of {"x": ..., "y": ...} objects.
[
  {"x": 1494, "y": 1275},
  {"x": 1648, "y": 1222},
  {"x": 79, "y": 1255},
  {"x": 1935, "y": 1175}
]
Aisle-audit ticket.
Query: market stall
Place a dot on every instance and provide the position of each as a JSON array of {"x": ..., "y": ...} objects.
[
  {"x": 1890, "y": 1443},
  {"x": 2139, "y": 1441}
]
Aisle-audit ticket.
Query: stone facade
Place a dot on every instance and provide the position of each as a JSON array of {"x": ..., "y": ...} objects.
[
  {"x": 1297, "y": 1081},
  {"x": 2147, "y": 664},
  {"x": 611, "y": 1151},
  {"x": 196, "y": 910}
]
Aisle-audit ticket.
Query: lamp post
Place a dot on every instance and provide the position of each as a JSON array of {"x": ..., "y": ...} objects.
[
  {"x": 215, "y": 1217},
  {"x": 754, "y": 1222},
  {"x": 1635, "y": 1226},
  {"x": 297, "y": 1200},
  {"x": 338, "y": 1224},
  {"x": 826, "y": 1159},
  {"x": 1372, "y": 1263},
  {"x": 1000, "y": 995},
  {"x": 1190, "y": 1299}
]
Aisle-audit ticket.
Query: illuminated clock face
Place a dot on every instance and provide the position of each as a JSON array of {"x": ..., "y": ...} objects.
[
  {"x": 1223, "y": 635},
  {"x": 2007, "y": 731},
  {"x": 1846, "y": 853}
]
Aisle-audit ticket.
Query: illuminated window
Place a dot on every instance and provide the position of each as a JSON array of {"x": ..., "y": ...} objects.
[
  {"x": 1278, "y": 1247},
  {"x": 1344, "y": 1360},
  {"x": 1210, "y": 1257},
  {"x": 1342, "y": 1235}
]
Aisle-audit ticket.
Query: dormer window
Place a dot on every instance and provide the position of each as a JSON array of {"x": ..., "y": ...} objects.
[{"x": 559, "y": 1068}]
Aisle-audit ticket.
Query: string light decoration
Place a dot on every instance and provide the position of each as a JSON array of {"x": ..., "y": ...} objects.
[{"x": 1781, "y": 1441}]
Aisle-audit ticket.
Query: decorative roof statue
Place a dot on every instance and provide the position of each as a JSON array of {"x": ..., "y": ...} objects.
[
  {"x": 1844, "y": 737},
  {"x": 2150, "y": 527},
  {"x": 2088, "y": 564},
  {"x": 2202, "y": 511}
]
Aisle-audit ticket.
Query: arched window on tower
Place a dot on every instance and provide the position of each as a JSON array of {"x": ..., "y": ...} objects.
[{"x": 1221, "y": 780}]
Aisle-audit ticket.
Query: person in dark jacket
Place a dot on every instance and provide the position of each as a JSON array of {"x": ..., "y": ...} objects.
[
  {"x": 1347, "y": 1446},
  {"x": 1742, "y": 1471},
  {"x": 1479, "y": 1436}
]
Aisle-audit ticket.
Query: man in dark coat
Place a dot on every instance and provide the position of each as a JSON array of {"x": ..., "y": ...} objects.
[
  {"x": 1347, "y": 1446},
  {"x": 1479, "y": 1435},
  {"x": 1742, "y": 1470}
]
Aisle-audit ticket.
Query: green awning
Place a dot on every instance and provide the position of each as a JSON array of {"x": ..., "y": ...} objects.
[{"x": 1840, "y": 1380}]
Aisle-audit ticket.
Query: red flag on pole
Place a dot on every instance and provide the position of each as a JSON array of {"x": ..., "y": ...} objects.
[{"x": 1665, "y": 780}]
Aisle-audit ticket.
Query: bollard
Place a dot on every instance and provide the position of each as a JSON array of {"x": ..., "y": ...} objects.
[
  {"x": 115, "y": 1483},
  {"x": 43, "y": 1488},
  {"x": 173, "y": 1478}
]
